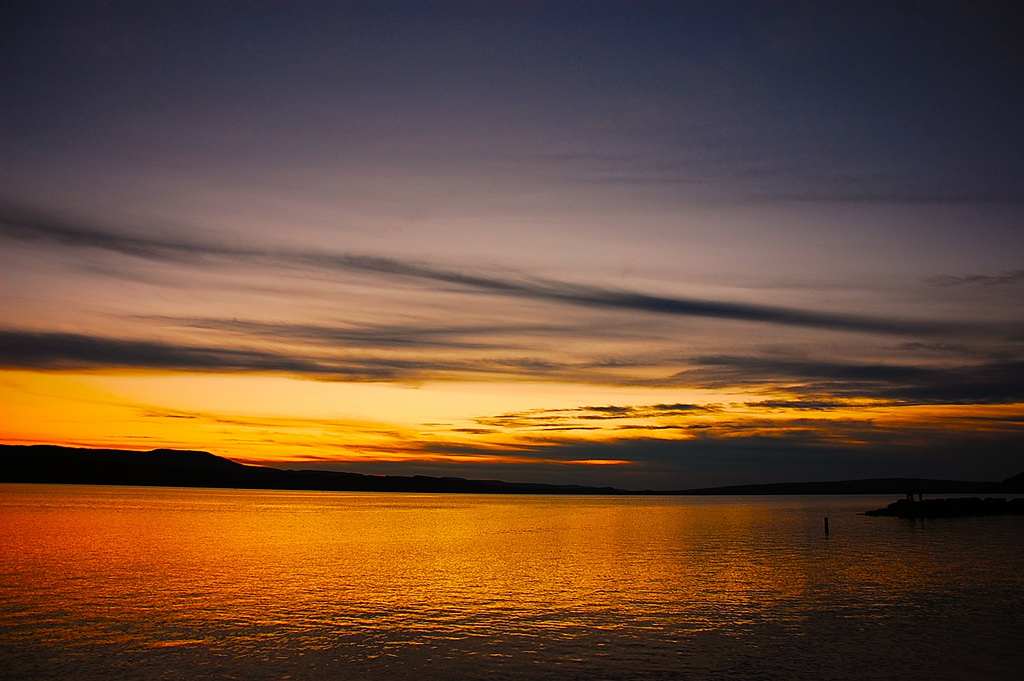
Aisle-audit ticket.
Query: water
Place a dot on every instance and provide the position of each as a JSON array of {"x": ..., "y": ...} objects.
[{"x": 134, "y": 583}]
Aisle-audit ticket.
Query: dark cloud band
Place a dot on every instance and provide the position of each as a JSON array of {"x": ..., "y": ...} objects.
[{"x": 23, "y": 226}]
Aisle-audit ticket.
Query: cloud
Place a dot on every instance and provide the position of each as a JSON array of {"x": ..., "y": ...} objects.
[
  {"x": 1002, "y": 279},
  {"x": 23, "y": 226},
  {"x": 929, "y": 196},
  {"x": 984, "y": 383},
  {"x": 32, "y": 227},
  {"x": 938, "y": 347},
  {"x": 807, "y": 405},
  {"x": 56, "y": 351},
  {"x": 551, "y": 418},
  {"x": 755, "y": 176},
  {"x": 49, "y": 350},
  {"x": 378, "y": 336}
]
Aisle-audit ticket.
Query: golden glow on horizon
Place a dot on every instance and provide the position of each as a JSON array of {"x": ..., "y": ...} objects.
[{"x": 476, "y": 423}]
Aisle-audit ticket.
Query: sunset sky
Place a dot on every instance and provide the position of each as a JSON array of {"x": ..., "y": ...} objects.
[{"x": 640, "y": 244}]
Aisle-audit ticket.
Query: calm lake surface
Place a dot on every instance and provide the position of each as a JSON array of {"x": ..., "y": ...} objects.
[{"x": 158, "y": 583}]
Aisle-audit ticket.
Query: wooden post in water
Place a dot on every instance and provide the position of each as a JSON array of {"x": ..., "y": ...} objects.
[{"x": 826, "y": 526}]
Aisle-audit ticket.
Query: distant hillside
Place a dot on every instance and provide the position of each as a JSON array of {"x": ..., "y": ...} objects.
[
  {"x": 1014, "y": 484},
  {"x": 867, "y": 486},
  {"x": 181, "y": 468}
]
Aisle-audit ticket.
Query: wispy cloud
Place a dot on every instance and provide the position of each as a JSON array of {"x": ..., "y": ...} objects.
[
  {"x": 23, "y": 226},
  {"x": 1001, "y": 279},
  {"x": 392, "y": 336},
  {"x": 810, "y": 379},
  {"x": 536, "y": 418},
  {"x": 803, "y": 405},
  {"x": 42, "y": 350},
  {"x": 983, "y": 383},
  {"x": 22, "y": 349}
]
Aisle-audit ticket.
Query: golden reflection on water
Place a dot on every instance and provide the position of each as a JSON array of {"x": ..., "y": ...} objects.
[{"x": 261, "y": 584}]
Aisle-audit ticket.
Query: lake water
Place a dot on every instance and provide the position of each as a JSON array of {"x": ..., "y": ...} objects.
[{"x": 146, "y": 583}]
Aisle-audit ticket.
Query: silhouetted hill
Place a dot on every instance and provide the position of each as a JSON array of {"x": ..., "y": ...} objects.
[
  {"x": 182, "y": 468},
  {"x": 1014, "y": 484},
  {"x": 866, "y": 486}
]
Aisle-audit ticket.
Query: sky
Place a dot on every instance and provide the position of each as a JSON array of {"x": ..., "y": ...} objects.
[{"x": 643, "y": 244}]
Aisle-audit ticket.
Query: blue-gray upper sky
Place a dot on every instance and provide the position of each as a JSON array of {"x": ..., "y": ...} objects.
[{"x": 748, "y": 128}]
